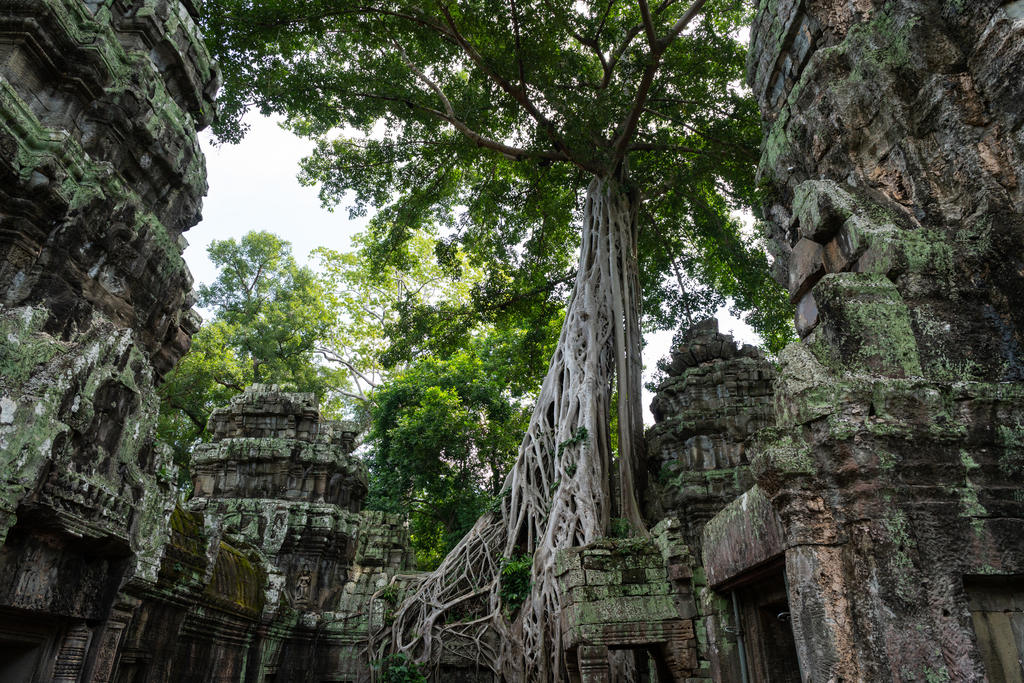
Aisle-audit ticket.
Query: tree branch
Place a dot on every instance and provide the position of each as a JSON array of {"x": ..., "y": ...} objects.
[
  {"x": 617, "y": 54},
  {"x": 519, "y": 47},
  {"x": 519, "y": 95},
  {"x": 684, "y": 21},
  {"x": 651, "y": 147},
  {"x": 199, "y": 424},
  {"x": 658, "y": 48},
  {"x": 333, "y": 357},
  {"x": 448, "y": 115},
  {"x": 645, "y": 15}
]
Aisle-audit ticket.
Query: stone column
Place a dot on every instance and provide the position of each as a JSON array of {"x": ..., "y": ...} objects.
[
  {"x": 71, "y": 657},
  {"x": 893, "y": 178},
  {"x": 593, "y": 661}
]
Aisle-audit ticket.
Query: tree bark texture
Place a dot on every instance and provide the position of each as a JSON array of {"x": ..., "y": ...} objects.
[{"x": 559, "y": 493}]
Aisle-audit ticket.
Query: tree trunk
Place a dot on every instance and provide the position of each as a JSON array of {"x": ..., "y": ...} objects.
[{"x": 558, "y": 494}]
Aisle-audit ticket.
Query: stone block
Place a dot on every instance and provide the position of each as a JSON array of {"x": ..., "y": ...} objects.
[
  {"x": 644, "y": 608},
  {"x": 747, "y": 533},
  {"x": 821, "y": 207},
  {"x": 805, "y": 267},
  {"x": 806, "y": 314},
  {"x": 864, "y": 326}
]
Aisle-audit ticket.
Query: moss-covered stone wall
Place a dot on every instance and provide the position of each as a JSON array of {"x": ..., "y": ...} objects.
[{"x": 892, "y": 168}]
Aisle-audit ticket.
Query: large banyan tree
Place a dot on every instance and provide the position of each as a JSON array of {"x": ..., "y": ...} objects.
[{"x": 529, "y": 128}]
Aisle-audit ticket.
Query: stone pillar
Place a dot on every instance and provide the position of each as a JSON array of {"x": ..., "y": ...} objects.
[
  {"x": 71, "y": 657},
  {"x": 101, "y": 173},
  {"x": 893, "y": 178},
  {"x": 108, "y": 641},
  {"x": 593, "y": 662}
]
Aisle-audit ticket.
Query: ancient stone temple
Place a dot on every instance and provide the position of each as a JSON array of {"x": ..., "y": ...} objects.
[
  {"x": 100, "y": 174},
  {"x": 853, "y": 512},
  {"x": 887, "y": 526},
  {"x": 268, "y": 575},
  {"x": 717, "y": 396},
  {"x": 272, "y": 567}
]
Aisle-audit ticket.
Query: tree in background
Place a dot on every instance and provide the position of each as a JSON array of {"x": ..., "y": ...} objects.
[
  {"x": 446, "y": 416},
  {"x": 270, "y": 316},
  {"x": 445, "y": 433},
  {"x": 528, "y": 128},
  {"x": 367, "y": 298}
]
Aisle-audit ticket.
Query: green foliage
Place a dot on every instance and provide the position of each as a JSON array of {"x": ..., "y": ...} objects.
[
  {"x": 390, "y": 594},
  {"x": 488, "y": 120},
  {"x": 580, "y": 436},
  {"x": 367, "y": 297},
  {"x": 269, "y": 317},
  {"x": 515, "y": 581},
  {"x": 495, "y": 504},
  {"x": 444, "y": 435},
  {"x": 390, "y": 597},
  {"x": 619, "y": 528},
  {"x": 397, "y": 668}
]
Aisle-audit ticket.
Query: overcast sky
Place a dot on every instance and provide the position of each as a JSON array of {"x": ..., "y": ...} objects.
[{"x": 253, "y": 186}]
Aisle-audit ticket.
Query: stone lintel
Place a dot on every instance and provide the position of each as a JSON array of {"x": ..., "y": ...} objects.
[{"x": 743, "y": 537}]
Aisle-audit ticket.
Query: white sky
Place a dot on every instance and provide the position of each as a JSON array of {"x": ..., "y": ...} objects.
[{"x": 253, "y": 186}]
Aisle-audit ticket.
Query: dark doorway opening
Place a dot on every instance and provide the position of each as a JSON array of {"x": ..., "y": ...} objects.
[{"x": 997, "y": 610}]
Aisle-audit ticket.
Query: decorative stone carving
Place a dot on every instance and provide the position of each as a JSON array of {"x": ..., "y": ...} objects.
[
  {"x": 71, "y": 657},
  {"x": 100, "y": 174},
  {"x": 718, "y": 393}
]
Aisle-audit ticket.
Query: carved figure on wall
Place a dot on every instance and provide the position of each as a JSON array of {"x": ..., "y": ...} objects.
[{"x": 300, "y": 593}]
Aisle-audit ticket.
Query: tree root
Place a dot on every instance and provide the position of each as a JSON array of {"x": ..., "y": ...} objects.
[{"x": 559, "y": 492}]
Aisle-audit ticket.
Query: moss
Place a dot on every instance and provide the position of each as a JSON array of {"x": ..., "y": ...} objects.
[
  {"x": 901, "y": 566},
  {"x": 943, "y": 369},
  {"x": 1011, "y": 462},
  {"x": 888, "y": 460},
  {"x": 776, "y": 144},
  {"x": 23, "y": 348},
  {"x": 865, "y": 326},
  {"x": 926, "y": 251},
  {"x": 236, "y": 579},
  {"x": 935, "y": 676},
  {"x": 188, "y": 533},
  {"x": 781, "y": 453},
  {"x": 884, "y": 42}
]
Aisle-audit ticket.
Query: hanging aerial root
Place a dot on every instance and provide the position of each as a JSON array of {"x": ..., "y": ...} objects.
[{"x": 558, "y": 494}]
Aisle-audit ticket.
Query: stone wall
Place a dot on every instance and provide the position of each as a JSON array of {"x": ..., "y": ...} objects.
[
  {"x": 892, "y": 176},
  {"x": 629, "y": 595},
  {"x": 100, "y": 174}
]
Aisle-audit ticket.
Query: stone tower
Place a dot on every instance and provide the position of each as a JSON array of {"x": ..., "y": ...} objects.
[
  {"x": 893, "y": 174},
  {"x": 100, "y": 174},
  {"x": 271, "y": 569}
]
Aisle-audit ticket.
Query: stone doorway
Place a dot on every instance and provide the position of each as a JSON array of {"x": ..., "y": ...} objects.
[
  {"x": 997, "y": 610},
  {"x": 766, "y": 624}
]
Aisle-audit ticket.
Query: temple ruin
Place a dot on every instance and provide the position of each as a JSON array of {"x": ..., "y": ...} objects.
[{"x": 850, "y": 511}]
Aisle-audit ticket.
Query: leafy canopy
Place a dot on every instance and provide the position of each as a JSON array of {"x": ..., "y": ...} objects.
[
  {"x": 367, "y": 299},
  {"x": 488, "y": 118}
]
